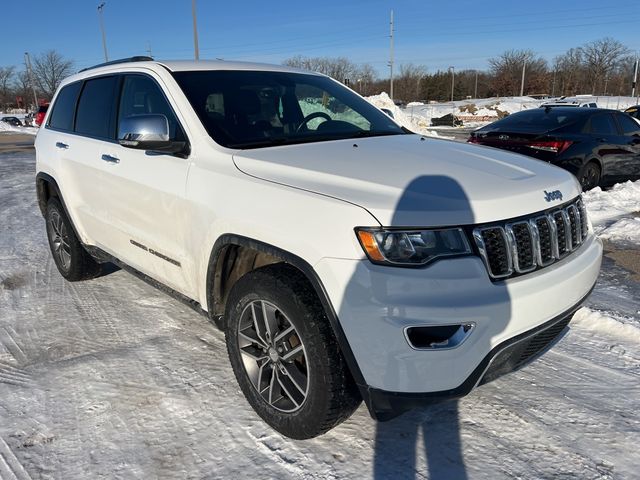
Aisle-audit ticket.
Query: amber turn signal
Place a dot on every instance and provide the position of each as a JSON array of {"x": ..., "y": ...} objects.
[{"x": 370, "y": 245}]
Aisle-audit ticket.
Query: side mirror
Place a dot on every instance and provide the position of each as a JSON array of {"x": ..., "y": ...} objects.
[{"x": 148, "y": 132}]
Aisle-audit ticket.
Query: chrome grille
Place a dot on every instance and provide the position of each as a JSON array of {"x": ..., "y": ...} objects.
[{"x": 524, "y": 245}]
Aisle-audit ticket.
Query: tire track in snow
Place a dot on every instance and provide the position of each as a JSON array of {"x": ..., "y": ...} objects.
[
  {"x": 10, "y": 466},
  {"x": 10, "y": 344}
]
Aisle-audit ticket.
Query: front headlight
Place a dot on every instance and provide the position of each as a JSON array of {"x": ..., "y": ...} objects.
[{"x": 412, "y": 247}]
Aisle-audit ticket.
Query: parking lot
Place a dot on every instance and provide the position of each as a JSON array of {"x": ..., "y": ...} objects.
[{"x": 111, "y": 378}]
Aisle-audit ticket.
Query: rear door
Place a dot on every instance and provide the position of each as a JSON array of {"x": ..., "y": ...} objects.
[
  {"x": 94, "y": 132},
  {"x": 145, "y": 192},
  {"x": 610, "y": 146},
  {"x": 81, "y": 118},
  {"x": 630, "y": 130}
]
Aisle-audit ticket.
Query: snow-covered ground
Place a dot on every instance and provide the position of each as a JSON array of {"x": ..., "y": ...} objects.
[
  {"x": 111, "y": 378},
  {"x": 478, "y": 112},
  {"x": 6, "y": 127}
]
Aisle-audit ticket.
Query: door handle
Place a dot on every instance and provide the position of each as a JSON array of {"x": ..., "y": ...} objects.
[
  {"x": 110, "y": 158},
  {"x": 64, "y": 146}
]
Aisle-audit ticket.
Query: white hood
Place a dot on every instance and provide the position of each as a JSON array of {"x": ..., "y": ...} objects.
[{"x": 406, "y": 181}]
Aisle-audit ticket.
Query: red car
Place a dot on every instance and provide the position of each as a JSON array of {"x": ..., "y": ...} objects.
[{"x": 42, "y": 111}]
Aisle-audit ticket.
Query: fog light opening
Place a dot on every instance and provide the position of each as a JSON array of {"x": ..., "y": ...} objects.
[{"x": 438, "y": 337}]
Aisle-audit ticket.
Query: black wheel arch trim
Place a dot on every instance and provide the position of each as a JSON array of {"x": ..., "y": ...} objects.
[
  {"x": 42, "y": 179},
  {"x": 313, "y": 278}
]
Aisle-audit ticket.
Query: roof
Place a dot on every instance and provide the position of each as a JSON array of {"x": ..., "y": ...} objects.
[{"x": 195, "y": 65}]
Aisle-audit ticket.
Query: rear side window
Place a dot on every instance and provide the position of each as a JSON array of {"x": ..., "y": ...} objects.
[
  {"x": 62, "y": 114},
  {"x": 141, "y": 95},
  {"x": 603, "y": 125},
  {"x": 629, "y": 126},
  {"x": 539, "y": 119},
  {"x": 96, "y": 108}
]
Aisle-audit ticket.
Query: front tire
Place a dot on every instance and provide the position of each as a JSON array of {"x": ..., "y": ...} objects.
[
  {"x": 590, "y": 176},
  {"x": 285, "y": 356},
  {"x": 72, "y": 260}
]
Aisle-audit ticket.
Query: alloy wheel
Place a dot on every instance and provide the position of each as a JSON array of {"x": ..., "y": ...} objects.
[
  {"x": 59, "y": 237},
  {"x": 273, "y": 356},
  {"x": 590, "y": 177}
]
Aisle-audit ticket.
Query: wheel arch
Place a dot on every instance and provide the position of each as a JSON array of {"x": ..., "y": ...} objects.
[
  {"x": 215, "y": 278},
  {"x": 47, "y": 187}
]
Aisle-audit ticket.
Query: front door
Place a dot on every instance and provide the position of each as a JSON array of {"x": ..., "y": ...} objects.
[{"x": 145, "y": 192}]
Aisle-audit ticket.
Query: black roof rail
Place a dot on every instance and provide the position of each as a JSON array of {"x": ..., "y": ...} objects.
[{"x": 121, "y": 60}]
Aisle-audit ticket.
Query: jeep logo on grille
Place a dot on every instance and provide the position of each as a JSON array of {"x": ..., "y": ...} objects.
[{"x": 551, "y": 196}]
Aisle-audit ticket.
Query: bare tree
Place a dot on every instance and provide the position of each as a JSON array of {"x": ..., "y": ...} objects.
[
  {"x": 366, "y": 78},
  {"x": 507, "y": 72},
  {"x": 601, "y": 58},
  {"x": 49, "y": 70},
  {"x": 339, "y": 68},
  {"x": 570, "y": 72},
  {"x": 408, "y": 84},
  {"x": 6, "y": 76},
  {"x": 22, "y": 87}
]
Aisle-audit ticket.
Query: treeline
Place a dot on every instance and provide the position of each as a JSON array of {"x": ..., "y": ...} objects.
[
  {"x": 601, "y": 67},
  {"x": 16, "y": 87}
]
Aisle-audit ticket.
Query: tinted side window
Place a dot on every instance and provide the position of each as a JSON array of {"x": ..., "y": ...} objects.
[
  {"x": 141, "y": 96},
  {"x": 603, "y": 125},
  {"x": 96, "y": 108},
  {"x": 629, "y": 126},
  {"x": 62, "y": 114}
]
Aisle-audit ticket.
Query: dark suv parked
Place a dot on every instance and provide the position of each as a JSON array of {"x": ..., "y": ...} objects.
[{"x": 600, "y": 147}]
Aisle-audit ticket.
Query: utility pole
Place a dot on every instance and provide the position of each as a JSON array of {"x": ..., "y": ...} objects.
[
  {"x": 149, "y": 49},
  {"x": 475, "y": 91},
  {"x": 195, "y": 30},
  {"x": 524, "y": 66},
  {"x": 27, "y": 61},
  {"x": 553, "y": 85},
  {"x": 104, "y": 38},
  {"x": 391, "y": 58},
  {"x": 635, "y": 79},
  {"x": 452, "y": 70}
]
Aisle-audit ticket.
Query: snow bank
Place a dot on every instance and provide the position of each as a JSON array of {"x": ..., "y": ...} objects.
[
  {"x": 5, "y": 127},
  {"x": 622, "y": 199},
  {"x": 626, "y": 328},
  {"x": 415, "y": 123},
  {"x": 624, "y": 230}
]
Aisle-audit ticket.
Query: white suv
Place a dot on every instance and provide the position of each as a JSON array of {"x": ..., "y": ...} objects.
[{"x": 344, "y": 257}]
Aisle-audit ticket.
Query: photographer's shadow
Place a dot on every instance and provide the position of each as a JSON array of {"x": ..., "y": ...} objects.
[
  {"x": 398, "y": 442},
  {"x": 441, "y": 201}
]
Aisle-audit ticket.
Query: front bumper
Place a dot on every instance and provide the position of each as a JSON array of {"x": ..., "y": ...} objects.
[
  {"x": 505, "y": 358},
  {"x": 374, "y": 304}
]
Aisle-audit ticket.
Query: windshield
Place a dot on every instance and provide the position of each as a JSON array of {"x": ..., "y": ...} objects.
[{"x": 252, "y": 109}]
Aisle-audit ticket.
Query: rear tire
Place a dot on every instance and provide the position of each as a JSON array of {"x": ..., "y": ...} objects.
[
  {"x": 72, "y": 260},
  {"x": 284, "y": 354},
  {"x": 590, "y": 176}
]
